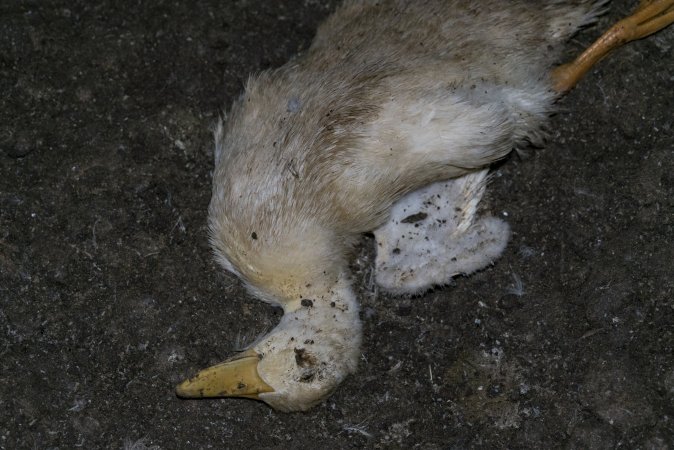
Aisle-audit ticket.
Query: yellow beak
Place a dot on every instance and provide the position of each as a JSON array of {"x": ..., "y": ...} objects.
[{"x": 236, "y": 377}]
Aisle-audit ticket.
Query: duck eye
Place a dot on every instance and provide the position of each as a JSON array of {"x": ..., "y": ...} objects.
[
  {"x": 307, "y": 376},
  {"x": 303, "y": 358}
]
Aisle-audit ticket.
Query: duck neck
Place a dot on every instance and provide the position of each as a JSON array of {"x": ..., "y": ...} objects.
[
  {"x": 331, "y": 314},
  {"x": 325, "y": 295}
]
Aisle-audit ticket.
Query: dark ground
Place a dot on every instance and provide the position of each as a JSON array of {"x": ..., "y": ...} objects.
[{"x": 110, "y": 297}]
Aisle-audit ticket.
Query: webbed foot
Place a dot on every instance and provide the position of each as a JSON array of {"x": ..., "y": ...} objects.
[{"x": 649, "y": 17}]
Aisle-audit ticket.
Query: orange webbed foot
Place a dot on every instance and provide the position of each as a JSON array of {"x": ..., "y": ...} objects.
[{"x": 649, "y": 17}]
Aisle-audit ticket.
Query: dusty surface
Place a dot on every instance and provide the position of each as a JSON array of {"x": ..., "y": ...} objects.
[{"x": 109, "y": 296}]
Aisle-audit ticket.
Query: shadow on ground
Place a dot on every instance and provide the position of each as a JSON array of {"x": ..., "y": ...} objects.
[{"x": 109, "y": 295}]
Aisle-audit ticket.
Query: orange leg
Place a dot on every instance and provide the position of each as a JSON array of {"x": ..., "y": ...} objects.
[{"x": 649, "y": 17}]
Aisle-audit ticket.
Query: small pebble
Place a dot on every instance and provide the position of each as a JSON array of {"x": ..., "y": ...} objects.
[
  {"x": 404, "y": 310},
  {"x": 21, "y": 147}
]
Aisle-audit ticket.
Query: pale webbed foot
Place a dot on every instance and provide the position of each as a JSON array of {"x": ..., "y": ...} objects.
[
  {"x": 649, "y": 17},
  {"x": 433, "y": 234}
]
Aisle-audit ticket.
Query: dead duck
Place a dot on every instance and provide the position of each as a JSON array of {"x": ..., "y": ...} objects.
[{"x": 388, "y": 123}]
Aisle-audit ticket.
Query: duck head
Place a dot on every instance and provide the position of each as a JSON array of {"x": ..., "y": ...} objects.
[{"x": 299, "y": 363}]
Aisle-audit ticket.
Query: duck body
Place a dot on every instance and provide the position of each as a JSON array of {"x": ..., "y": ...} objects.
[
  {"x": 395, "y": 105},
  {"x": 391, "y": 97}
]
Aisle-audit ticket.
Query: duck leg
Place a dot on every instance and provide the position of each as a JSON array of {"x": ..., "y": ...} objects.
[
  {"x": 649, "y": 17},
  {"x": 434, "y": 234}
]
